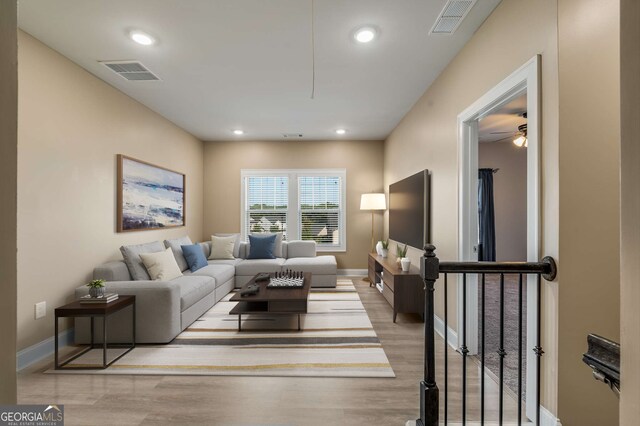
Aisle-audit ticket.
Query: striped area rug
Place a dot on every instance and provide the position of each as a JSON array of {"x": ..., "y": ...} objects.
[{"x": 337, "y": 340}]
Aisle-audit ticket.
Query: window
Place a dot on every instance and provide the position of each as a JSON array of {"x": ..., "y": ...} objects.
[{"x": 302, "y": 204}]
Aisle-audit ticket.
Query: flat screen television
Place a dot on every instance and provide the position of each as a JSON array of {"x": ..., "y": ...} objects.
[{"x": 409, "y": 210}]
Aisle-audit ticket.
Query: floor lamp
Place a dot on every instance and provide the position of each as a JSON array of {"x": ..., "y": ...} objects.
[{"x": 372, "y": 202}]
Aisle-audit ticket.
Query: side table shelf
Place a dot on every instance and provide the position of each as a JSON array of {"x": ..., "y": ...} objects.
[{"x": 77, "y": 309}]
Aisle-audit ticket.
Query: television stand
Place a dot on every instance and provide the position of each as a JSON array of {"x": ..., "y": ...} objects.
[{"x": 403, "y": 290}]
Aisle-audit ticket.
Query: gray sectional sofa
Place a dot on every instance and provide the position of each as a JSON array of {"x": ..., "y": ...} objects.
[{"x": 166, "y": 308}]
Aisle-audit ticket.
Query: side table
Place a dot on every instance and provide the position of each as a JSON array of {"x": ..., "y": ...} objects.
[{"x": 77, "y": 309}]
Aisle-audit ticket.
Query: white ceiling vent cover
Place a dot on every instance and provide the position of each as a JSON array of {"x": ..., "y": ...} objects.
[
  {"x": 292, "y": 135},
  {"x": 130, "y": 70},
  {"x": 451, "y": 16}
]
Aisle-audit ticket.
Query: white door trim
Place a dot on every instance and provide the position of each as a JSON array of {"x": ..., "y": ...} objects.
[{"x": 525, "y": 79}]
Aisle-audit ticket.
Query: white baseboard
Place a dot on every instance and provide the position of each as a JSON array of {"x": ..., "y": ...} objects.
[
  {"x": 352, "y": 272},
  {"x": 452, "y": 336},
  {"x": 41, "y": 350},
  {"x": 548, "y": 419}
]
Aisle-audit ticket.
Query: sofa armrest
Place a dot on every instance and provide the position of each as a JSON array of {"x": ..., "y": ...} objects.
[
  {"x": 301, "y": 249},
  {"x": 157, "y": 309},
  {"x": 112, "y": 271}
]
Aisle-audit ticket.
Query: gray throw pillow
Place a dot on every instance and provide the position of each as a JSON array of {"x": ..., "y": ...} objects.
[
  {"x": 131, "y": 256},
  {"x": 174, "y": 245}
]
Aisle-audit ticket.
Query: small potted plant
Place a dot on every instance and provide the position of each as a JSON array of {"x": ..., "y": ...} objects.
[
  {"x": 400, "y": 253},
  {"x": 385, "y": 248},
  {"x": 96, "y": 288}
]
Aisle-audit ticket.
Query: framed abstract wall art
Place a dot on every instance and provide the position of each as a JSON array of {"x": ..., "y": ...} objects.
[{"x": 149, "y": 196}]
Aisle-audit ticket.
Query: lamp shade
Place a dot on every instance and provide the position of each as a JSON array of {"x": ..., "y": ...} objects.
[{"x": 373, "y": 202}]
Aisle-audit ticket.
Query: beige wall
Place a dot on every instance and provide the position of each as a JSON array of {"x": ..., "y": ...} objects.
[
  {"x": 362, "y": 160},
  {"x": 630, "y": 214},
  {"x": 589, "y": 299},
  {"x": 509, "y": 197},
  {"x": 71, "y": 126},
  {"x": 427, "y": 138},
  {"x": 8, "y": 186}
]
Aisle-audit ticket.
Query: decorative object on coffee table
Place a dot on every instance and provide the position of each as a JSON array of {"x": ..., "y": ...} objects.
[
  {"x": 96, "y": 288},
  {"x": 149, "y": 196}
]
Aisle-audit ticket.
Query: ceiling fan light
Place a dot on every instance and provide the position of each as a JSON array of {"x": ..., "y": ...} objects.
[{"x": 520, "y": 141}]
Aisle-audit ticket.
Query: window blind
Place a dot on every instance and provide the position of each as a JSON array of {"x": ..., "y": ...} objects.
[
  {"x": 267, "y": 204},
  {"x": 319, "y": 207}
]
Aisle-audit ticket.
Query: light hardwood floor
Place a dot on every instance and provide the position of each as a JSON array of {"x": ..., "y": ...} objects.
[{"x": 94, "y": 399}]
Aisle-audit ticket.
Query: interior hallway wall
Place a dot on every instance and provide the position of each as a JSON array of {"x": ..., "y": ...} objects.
[
  {"x": 427, "y": 138},
  {"x": 589, "y": 290},
  {"x": 630, "y": 214},
  {"x": 8, "y": 190},
  {"x": 71, "y": 126},
  {"x": 363, "y": 161}
]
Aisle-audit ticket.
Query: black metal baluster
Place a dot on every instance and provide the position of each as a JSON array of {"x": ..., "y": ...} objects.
[
  {"x": 520, "y": 351},
  {"x": 501, "y": 352},
  {"x": 446, "y": 348},
  {"x": 482, "y": 325},
  {"x": 538, "y": 349},
  {"x": 463, "y": 349}
]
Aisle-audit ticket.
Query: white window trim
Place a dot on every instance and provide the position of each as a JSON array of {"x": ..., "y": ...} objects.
[{"x": 294, "y": 208}]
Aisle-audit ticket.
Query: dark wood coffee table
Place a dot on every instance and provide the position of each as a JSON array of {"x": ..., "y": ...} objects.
[{"x": 272, "y": 300}]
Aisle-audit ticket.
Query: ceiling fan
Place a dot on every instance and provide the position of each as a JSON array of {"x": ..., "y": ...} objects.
[{"x": 520, "y": 136}]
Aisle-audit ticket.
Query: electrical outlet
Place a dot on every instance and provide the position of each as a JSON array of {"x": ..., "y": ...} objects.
[{"x": 41, "y": 310}]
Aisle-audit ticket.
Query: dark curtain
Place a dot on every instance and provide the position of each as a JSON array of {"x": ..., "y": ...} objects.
[{"x": 486, "y": 217}]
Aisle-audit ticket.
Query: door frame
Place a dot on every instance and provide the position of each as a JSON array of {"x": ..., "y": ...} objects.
[{"x": 525, "y": 79}]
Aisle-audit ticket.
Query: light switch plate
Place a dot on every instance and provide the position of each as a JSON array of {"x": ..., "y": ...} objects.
[{"x": 41, "y": 310}]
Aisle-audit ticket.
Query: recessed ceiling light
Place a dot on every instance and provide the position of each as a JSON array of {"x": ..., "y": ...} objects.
[
  {"x": 142, "y": 38},
  {"x": 341, "y": 131},
  {"x": 238, "y": 132},
  {"x": 365, "y": 34}
]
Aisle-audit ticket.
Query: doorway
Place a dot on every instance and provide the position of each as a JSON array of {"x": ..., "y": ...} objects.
[
  {"x": 502, "y": 229},
  {"x": 524, "y": 82}
]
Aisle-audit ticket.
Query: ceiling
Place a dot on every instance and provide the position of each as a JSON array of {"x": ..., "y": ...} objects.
[
  {"x": 247, "y": 64},
  {"x": 503, "y": 124}
]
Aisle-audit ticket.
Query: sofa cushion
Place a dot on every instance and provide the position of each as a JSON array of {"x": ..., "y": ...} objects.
[
  {"x": 221, "y": 273},
  {"x": 301, "y": 249},
  {"x": 256, "y": 266},
  {"x": 232, "y": 262},
  {"x": 222, "y": 247},
  {"x": 194, "y": 256},
  {"x": 280, "y": 247},
  {"x": 131, "y": 256},
  {"x": 262, "y": 246},
  {"x": 193, "y": 288},
  {"x": 176, "y": 247},
  {"x": 236, "y": 244},
  {"x": 319, "y": 265},
  {"x": 161, "y": 266}
]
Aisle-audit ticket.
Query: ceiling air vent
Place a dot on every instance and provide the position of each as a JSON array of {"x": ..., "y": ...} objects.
[
  {"x": 130, "y": 70},
  {"x": 451, "y": 16},
  {"x": 292, "y": 135}
]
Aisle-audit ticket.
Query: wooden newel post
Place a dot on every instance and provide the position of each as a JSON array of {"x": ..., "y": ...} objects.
[{"x": 429, "y": 394}]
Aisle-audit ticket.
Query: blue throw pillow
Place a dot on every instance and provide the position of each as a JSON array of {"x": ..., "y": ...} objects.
[
  {"x": 194, "y": 256},
  {"x": 262, "y": 246}
]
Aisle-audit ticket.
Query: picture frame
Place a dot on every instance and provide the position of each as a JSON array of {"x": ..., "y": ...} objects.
[{"x": 149, "y": 197}]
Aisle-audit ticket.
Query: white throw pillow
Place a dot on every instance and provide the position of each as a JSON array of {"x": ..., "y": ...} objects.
[
  {"x": 222, "y": 247},
  {"x": 162, "y": 265}
]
